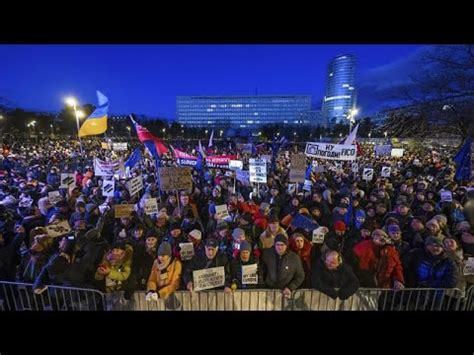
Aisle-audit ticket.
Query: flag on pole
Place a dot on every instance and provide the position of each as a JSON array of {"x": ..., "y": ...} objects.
[
  {"x": 463, "y": 162},
  {"x": 148, "y": 139},
  {"x": 134, "y": 158},
  {"x": 210, "y": 140},
  {"x": 96, "y": 123},
  {"x": 352, "y": 136}
]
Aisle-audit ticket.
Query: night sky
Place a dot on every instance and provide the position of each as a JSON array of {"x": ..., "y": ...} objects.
[{"x": 146, "y": 79}]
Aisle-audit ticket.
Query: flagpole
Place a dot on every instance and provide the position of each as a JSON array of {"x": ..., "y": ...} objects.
[{"x": 78, "y": 127}]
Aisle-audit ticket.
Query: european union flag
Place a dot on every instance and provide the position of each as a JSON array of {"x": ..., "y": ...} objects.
[
  {"x": 134, "y": 158},
  {"x": 300, "y": 221},
  {"x": 463, "y": 162}
]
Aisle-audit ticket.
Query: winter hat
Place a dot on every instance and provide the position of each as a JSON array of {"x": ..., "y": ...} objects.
[
  {"x": 264, "y": 206},
  {"x": 432, "y": 221},
  {"x": 247, "y": 217},
  {"x": 119, "y": 245},
  {"x": 164, "y": 249},
  {"x": 245, "y": 246},
  {"x": 281, "y": 238},
  {"x": 339, "y": 226},
  {"x": 162, "y": 215},
  {"x": 211, "y": 243},
  {"x": 422, "y": 219},
  {"x": 218, "y": 188},
  {"x": 273, "y": 219},
  {"x": 360, "y": 213},
  {"x": 342, "y": 205},
  {"x": 175, "y": 225},
  {"x": 222, "y": 225},
  {"x": 441, "y": 218},
  {"x": 237, "y": 233},
  {"x": 433, "y": 240},
  {"x": 195, "y": 234},
  {"x": 393, "y": 228}
]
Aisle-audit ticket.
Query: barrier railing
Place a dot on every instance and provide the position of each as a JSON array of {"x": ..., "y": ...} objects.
[{"x": 20, "y": 297}]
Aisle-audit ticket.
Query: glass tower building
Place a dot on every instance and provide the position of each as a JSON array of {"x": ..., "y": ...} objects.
[
  {"x": 340, "y": 95},
  {"x": 241, "y": 111}
]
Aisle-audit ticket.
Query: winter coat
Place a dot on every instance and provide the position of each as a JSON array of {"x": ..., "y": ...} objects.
[
  {"x": 282, "y": 271},
  {"x": 165, "y": 282},
  {"x": 200, "y": 262},
  {"x": 305, "y": 256},
  {"x": 236, "y": 272},
  {"x": 8, "y": 257},
  {"x": 267, "y": 238},
  {"x": 426, "y": 270},
  {"x": 119, "y": 273},
  {"x": 378, "y": 266},
  {"x": 341, "y": 282}
]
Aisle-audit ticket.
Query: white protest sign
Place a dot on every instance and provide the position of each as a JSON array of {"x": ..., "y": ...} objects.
[
  {"x": 243, "y": 176},
  {"x": 58, "y": 229},
  {"x": 222, "y": 212},
  {"x": 67, "y": 180},
  {"x": 446, "y": 195},
  {"x": 208, "y": 278},
  {"x": 355, "y": 168},
  {"x": 368, "y": 174},
  {"x": 249, "y": 274},
  {"x": 236, "y": 164},
  {"x": 291, "y": 188},
  {"x": 397, "y": 152},
  {"x": 258, "y": 170},
  {"x": 119, "y": 146},
  {"x": 186, "y": 251},
  {"x": 386, "y": 171},
  {"x": 108, "y": 168},
  {"x": 307, "y": 185},
  {"x": 135, "y": 185},
  {"x": 150, "y": 206},
  {"x": 108, "y": 188},
  {"x": 298, "y": 168},
  {"x": 331, "y": 151},
  {"x": 54, "y": 196},
  {"x": 318, "y": 237},
  {"x": 469, "y": 267}
]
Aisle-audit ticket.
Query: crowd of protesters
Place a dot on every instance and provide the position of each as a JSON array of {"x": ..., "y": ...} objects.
[{"x": 394, "y": 232}]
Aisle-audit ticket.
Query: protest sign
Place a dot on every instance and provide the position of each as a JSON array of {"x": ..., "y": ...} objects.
[
  {"x": 150, "y": 206},
  {"x": 331, "y": 151},
  {"x": 249, "y": 274},
  {"x": 206, "y": 279},
  {"x": 175, "y": 178}
]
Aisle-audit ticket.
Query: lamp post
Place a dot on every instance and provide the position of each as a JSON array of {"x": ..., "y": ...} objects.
[
  {"x": 351, "y": 117},
  {"x": 71, "y": 101}
]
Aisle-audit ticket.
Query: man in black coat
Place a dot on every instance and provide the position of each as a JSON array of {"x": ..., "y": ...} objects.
[
  {"x": 245, "y": 258},
  {"x": 210, "y": 258},
  {"x": 333, "y": 277},
  {"x": 282, "y": 269}
]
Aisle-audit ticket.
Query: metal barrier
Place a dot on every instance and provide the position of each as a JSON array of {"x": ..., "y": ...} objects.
[
  {"x": 381, "y": 300},
  {"x": 244, "y": 300},
  {"x": 469, "y": 300},
  {"x": 16, "y": 296}
]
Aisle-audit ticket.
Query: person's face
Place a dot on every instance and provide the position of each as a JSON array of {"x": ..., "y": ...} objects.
[
  {"x": 175, "y": 233},
  {"x": 433, "y": 228},
  {"x": 316, "y": 213},
  {"x": 239, "y": 239},
  {"x": 215, "y": 193},
  {"x": 403, "y": 210},
  {"x": 360, "y": 219},
  {"x": 274, "y": 226},
  {"x": 434, "y": 249},
  {"x": 211, "y": 252},
  {"x": 371, "y": 212},
  {"x": 450, "y": 244},
  {"x": 243, "y": 222},
  {"x": 299, "y": 243},
  {"x": 381, "y": 193},
  {"x": 342, "y": 210},
  {"x": 420, "y": 197},
  {"x": 317, "y": 198},
  {"x": 161, "y": 222},
  {"x": 184, "y": 200},
  {"x": 295, "y": 202},
  {"x": 164, "y": 259},
  {"x": 410, "y": 189},
  {"x": 364, "y": 233},
  {"x": 125, "y": 221},
  {"x": 222, "y": 232},
  {"x": 138, "y": 234},
  {"x": 403, "y": 188},
  {"x": 381, "y": 210},
  {"x": 81, "y": 209},
  {"x": 378, "y": 239},
  {"x": 172, "y": 200},
  {"x": 245, "y": 255},
  {"x": 151, "y": 242},
  {"x": 118, "y": 253},
  {"x": 373, "y": 198},
  {"x": 416, "y": 225},
  {"x": 395, "y": 235},
  {"x": 332, "y": 261},
  {"x": 280, "y": 248}
]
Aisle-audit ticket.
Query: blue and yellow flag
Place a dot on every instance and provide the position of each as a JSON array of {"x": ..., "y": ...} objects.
[{"x": 96, "y": 123}]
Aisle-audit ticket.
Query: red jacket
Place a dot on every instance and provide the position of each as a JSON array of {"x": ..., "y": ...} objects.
[
  {"x": 305, "y": 256},
  {"x": 385, "y": 264}
]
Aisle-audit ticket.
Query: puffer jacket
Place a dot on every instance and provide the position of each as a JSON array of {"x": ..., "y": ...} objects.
[
  {"x": 119, "y": 273},
  {"x": 165, "y": 282}
]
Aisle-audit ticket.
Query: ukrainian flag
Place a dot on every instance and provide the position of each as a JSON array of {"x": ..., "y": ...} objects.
[{"x": 96, "y": 123}]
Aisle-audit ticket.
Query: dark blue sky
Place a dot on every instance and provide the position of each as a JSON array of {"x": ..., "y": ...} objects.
[{"x": 146, "y": 79}]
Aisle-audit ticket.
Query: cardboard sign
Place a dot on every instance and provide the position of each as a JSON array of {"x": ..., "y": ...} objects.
[
  {"x": 355, "y": 168},
  {"x": 368, "y": 174},
  {"x": 291, "y": 188},
  {"x": 67, "y": 180},
  {"x": 243, "y": 176},
  {"x": 249, "y": 274},
  {"x": 236, "y": 164},
  {"x": 175, "y": 178},
  {"x": 123, "y": 210},
  {"x": 58, "y": 229},
  {"x": 119, "y": 146},
  {"x": 222, "y": 212},
  {"x": 186, "y": 251},
  {"x": 331, "y": 151},
  {"x": 446, "y": 195},
  {"x": 307, "y": 185},
  {"x": 208, "y": 278},
  {"x": 298, "y": 168},
  {"x": 469, "y": 267},
  {"x": 54, "y": 196},
  {"x": 135, "y": 185},
  {"x": 104, "y": 145},
  {"x": 318, "y": 238},
  {"x": 258, "y": 170},
  {"x": 397, "y": 152},
  {"x": 151, "y": 206},
  {"x": 108, "y": 188},
  {"x": 386, "y": 171}
]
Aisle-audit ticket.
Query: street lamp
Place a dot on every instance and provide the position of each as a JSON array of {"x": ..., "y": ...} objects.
[
  {"x": 71, "y": 101},
  {"x": 370, "y": 134},
  {"x": 351, "y": 117},
  {"x": 385, "y": 133}
]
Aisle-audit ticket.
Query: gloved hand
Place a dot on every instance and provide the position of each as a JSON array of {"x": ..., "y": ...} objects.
[{"x": 151, "y": 296}]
